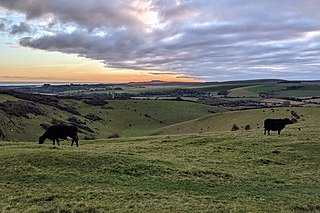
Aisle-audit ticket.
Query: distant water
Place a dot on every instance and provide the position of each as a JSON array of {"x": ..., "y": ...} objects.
[{"x": 15, "y": 84}]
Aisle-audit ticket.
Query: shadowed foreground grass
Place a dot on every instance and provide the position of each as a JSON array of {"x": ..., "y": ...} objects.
[{"x": 225, "y": 172}]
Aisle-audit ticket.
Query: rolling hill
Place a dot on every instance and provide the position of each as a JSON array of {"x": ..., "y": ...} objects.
[
  {"x": 192, "y": 163},
  {"x": 216, "y": 172},
  {"x": 224, "y": 121},
  {"x": 24, "y": 119}
]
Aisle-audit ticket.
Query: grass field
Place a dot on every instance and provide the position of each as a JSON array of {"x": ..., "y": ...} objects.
[
  {"x": 4, "y": 98},
  {"x": 253, "y": 91},
  {"x": 298, "y": 93},
  {"x": 278, "y": 89},
  {"x": 224, "y": 121},
  {"x": 216, "y": 172},
  {"x": 194, "y": 163}
]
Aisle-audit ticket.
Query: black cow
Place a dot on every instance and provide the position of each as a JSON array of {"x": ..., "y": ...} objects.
[
  {"x": 60, "y": 131},
  {"x": 275, "y": 125}
]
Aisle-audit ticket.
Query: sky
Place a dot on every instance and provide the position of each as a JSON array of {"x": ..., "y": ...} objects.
[{"x": 170, "y": 40}]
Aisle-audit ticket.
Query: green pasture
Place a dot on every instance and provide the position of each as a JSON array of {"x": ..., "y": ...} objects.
[
  {"x": 4, "y": 98},
  {"x": 253, "y": 91},
  {"x": 298, "y": 93},
  {"x": 224, "y": 121},
  {"x": 213, "y": 172}
]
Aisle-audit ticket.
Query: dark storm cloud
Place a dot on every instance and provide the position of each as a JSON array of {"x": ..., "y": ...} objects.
[
  {"x": 214, "y": 40},
  {"x": 20, "y": 29}
]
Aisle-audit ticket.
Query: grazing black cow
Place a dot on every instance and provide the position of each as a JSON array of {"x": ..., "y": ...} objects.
[
  {"x": 275, "y": 125},
  {"x": 60, "y": 131}
]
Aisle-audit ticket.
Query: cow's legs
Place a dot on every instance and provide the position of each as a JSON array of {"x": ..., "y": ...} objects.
[
  {"x": 279, "y": 132},
  {"x": 58, "y": 142},
  {"x": 265, "y": 131},
  {"x": 269, "y": 132},
  {"x": 54, "y": 141},
  {"x": 75, "y": 139}
]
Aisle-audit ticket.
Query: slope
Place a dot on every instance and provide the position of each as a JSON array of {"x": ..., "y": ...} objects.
[
  {"x": 254, "y": 118},
  {"x": 221, "y": 172},
  {"x": 24, "y": 119}
]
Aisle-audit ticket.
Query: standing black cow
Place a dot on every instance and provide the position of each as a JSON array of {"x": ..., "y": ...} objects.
[
  {"x": 275, "y": 125},
  {"x": 60, "y": 131}
]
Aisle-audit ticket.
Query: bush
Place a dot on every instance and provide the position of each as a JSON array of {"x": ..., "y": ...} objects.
[
  {"x": 20, "y": 108},
  {"x": 89, "y": 137},
  {"x": 223, "y": 92},
  {"x": 2, "y": 135},
  {"x": 58, "y": 122},
  {"x": 286, "y": 104},
  {"x": 295, "y": 114},
  {"x": 146, "y": 115},
  {"x": 93, "y": 117},
  {"x": 235, "y": 127},
  {"x": 96, "y": 101},
  {"x": 114, "y": 135},
  {"x": 75, "y": 121},
  {"x": 247, "y": 127}
]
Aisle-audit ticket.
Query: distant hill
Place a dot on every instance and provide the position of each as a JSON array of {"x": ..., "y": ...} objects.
[{"x": 26, "y": 119}]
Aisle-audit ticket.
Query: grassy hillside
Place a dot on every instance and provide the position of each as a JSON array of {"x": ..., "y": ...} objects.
[
  {"x": 4, "y": 98},
  {"x": 254, "y": 118},
  {"x": 256, "y": 89},
  {"x": 225, "y": 172},
  {"x": 299, "y": 93},
  {"x": 278, "y": 90},
  {"x": 21, "y": 120}
]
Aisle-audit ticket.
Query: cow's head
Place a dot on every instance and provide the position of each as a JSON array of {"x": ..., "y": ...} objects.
[
  {"x": 288, "y": 121},
  {"x": 41, "y": 139}
]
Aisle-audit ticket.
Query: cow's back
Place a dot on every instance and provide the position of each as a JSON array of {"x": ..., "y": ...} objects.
[
  {"x": 61, "y": 131},
  {"x": 274, "y": 124}
]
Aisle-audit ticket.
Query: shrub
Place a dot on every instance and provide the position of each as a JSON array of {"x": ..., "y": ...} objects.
[
  {"x": 96, "y": 101},
  {"x": 247, "y": 127},
  {"x": 146, "y": 115},
  {"x": 93, "y": 117},
  {"x": 58, "y": 122},
  {"x": 286, "y": 104},
  {"x": 114, "y": 135},
  {"x": 75, "y": 121},
  {"x": 294, "y": 114},
  {"x": 2, "y": 135},
  {"x": 89, "y": 137},
  {"x": 20, "y": 108},
  {"x": 223, "y": 92},
  {"x": 235, "y": 127}
]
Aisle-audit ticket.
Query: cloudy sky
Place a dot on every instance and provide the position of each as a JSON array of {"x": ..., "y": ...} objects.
[{"x": 128, "y": 40}]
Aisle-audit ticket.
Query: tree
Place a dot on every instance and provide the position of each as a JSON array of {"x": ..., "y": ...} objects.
[{"x": 223, "y": 92}]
